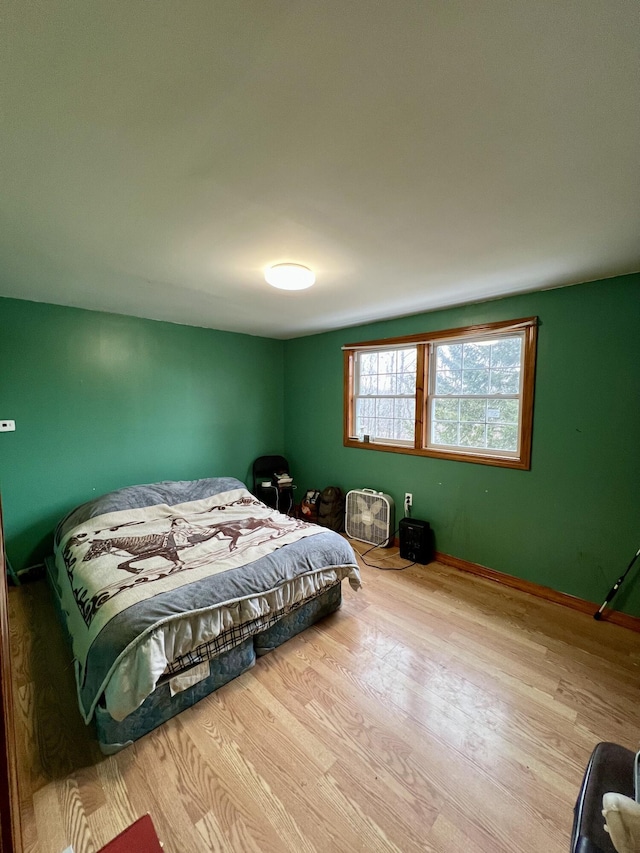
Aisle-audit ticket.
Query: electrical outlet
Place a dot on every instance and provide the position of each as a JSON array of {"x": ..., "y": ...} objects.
[
  {"x": 7, "y": 426},
  {"x": 408, "y": 500}
]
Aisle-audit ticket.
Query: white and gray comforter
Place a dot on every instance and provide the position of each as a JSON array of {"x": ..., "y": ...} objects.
[{"x": 142, "y": 584}]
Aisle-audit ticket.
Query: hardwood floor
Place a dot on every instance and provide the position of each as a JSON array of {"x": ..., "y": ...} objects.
[{"x": 435, "y": 711}]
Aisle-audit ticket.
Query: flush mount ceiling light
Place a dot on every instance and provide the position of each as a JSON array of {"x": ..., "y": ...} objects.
[{"x": 289, "y": 276}]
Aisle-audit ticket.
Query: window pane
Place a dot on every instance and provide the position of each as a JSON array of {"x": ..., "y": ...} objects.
[
  {"x": 363, "y": 425},
  {"x": 487, "y": 367},
  {"x": 387, "y": 373},
  {"x": 386, "y": 418},
  {"x": 387, "y": 383},
  {"x": 504, "y": 381},
  {"x": 406, "y": 409},
  {"x": 473, "y": 435},
  {"x": 473, "y": 410},
  {"x": 368, "y": 385},
  {"x": 387, "y": 361},
  {"x": 475, "y": 381},
  {"x": 449, "y": 357},
  {"x": 446, "y": 410},
  {"x": 502, "y": 437},
  {"x": 381, "y": 408},
  {"x": 406, "y": 360},
  {"x": 445, "y": 433},
  {"x": 383, "y": 428},
  {"x": 404, "y": 429},
  {"x": 406, "y": 383},
  {"x": 365, "y": 408},
  {"x": 448, "y": 382},
  {"x": 506, "y": 353},
  {"x": 368, "y": 363},
  {"x": 384, "y": 408},
  {"x": 503, "y": 411},
  {"x": 476, "y": 355}
]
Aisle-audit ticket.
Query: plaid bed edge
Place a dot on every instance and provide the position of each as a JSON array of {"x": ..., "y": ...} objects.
[{"x": 231, "y": 637}]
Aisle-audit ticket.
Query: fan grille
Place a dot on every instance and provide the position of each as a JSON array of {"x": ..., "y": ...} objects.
[{"x": 369, "y": 517}]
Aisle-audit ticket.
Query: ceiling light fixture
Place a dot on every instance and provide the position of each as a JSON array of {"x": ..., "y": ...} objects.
[{"x": 289, "y": 276}]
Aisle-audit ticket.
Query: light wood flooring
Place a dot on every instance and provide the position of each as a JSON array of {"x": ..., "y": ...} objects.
[{"x": 435, "y": 711}]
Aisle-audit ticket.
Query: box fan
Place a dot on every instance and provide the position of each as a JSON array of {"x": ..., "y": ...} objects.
[{"x": 369, "y": 516}]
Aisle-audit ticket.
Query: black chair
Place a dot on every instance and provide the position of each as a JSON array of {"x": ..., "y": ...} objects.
[
  {"x": 272, "y": 483},
  {"x": 610, "y": 768}
]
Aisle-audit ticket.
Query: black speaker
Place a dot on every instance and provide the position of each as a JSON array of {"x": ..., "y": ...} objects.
[{"x": 416, "y": 540}]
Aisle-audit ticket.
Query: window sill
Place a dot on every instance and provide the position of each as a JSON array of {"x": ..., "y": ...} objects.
[{"x": 521, "y": 464}]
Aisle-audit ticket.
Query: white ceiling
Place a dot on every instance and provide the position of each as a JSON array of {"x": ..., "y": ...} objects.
[{"x": 156, "y": 156}]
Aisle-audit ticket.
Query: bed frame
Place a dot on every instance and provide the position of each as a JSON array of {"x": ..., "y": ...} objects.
[{"x": 160, "y": 706}]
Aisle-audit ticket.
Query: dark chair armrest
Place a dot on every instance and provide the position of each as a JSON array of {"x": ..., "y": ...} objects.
[
  {"x": 610, "y": 768},
  {"x": 586, "y": 846}
]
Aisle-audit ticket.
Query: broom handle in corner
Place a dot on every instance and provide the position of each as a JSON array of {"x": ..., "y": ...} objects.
[{"x": 616, "y": 586}]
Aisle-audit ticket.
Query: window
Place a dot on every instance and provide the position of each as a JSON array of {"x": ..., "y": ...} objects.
[
  {"x": 385, "y": 394},
  {"x": 463, "y": 394}
]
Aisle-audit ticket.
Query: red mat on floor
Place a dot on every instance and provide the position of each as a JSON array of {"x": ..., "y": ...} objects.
[{"x": 140, "y": 836}]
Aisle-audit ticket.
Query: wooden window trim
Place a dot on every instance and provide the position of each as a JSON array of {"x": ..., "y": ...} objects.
[{"x": 527, "y": 325}]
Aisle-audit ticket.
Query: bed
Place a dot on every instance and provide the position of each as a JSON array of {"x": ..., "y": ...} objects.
[{"x": 168, "y": 591}]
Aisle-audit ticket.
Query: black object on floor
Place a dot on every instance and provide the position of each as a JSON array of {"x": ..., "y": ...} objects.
[
  {"x": 416, "y": 540},
  {"x": 610, "y": 768}
]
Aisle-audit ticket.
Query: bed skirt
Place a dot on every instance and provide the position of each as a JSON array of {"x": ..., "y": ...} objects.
[{"x": 160, "y": 706}]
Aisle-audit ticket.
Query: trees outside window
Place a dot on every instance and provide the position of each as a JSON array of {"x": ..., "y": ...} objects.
[{"x": 463, "y": 394}]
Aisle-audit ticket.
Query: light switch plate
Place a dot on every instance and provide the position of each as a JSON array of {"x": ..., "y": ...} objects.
[{"x": 7, "y": 426}]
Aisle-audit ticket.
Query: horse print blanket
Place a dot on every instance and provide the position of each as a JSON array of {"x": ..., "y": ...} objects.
[{"x": 124, "y": 573}]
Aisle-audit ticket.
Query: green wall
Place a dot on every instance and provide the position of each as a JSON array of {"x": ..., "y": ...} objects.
[
  {"x": 573, "y": 521},
  {"x": 102, "y": 401}
]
